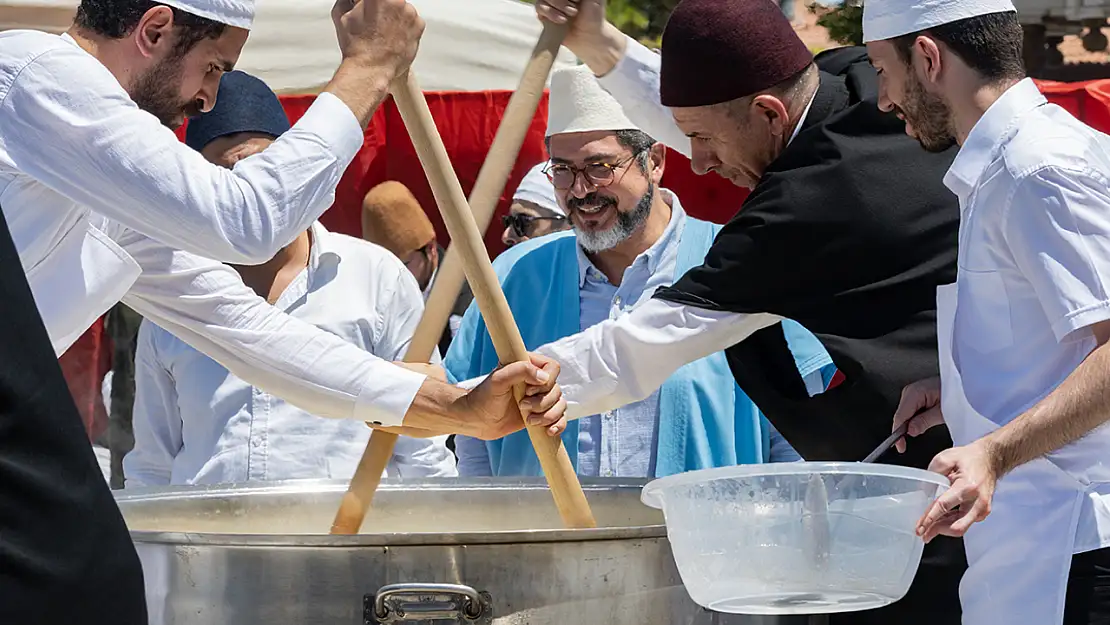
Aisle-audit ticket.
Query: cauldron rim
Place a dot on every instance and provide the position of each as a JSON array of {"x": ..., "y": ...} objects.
[{"x": 383, "y": 539}]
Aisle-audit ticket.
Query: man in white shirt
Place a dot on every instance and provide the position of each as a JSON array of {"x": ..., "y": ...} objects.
[
  {"x": 196, "y": 423},
  {"x": 1025, "y": 366},
  {"x": 104, "y": 203}
]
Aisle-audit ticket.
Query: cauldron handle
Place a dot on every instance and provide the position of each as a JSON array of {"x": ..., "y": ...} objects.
[{"x": 398, "y": 603}]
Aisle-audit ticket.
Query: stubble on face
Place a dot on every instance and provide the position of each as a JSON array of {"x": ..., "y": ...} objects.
[
  {"x": 158, "y": 92},
  {"x": 928, "y": 115}
]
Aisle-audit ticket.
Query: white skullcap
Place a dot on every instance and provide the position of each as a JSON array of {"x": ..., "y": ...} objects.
[
  {"x": 887, "y": 19},
  {"x": 537, "y": 189},
  {"x": 238, "y": 13},
  {"x": 579, "y": 104}
]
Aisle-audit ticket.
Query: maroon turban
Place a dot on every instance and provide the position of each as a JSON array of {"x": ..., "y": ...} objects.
[{"x": 719, "y": 50}]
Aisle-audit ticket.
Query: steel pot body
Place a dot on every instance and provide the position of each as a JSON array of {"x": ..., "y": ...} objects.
[{"x": 487, "y": 552}]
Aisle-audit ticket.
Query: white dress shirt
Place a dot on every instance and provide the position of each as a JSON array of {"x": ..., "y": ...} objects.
[
  {"x": 196, "y": 423},
  {"x": 1034, "y": 270},
  {"x": 104, "y": 204}
]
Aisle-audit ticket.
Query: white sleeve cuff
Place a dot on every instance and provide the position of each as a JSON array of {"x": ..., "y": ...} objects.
[
  {"x": 331, "y": 120},
  {"x": 627, "y": 76},
  {"x": 386, "y": 399}
]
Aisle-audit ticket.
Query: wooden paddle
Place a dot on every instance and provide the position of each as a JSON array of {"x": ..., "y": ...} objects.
[{"x": 467, "y": 244}]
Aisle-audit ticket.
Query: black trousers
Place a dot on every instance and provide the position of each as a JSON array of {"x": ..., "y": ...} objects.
[
  {"x": 934, "y": 596},
  {"x": 1088, "y": 598},
  {"x": 65, "y": 554}
]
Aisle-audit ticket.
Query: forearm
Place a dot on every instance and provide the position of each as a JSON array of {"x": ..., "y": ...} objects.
[
  {"x": 618, "y": 362},
  {"x": 361, "y": 88},
  {"x": 602, "y": 53},
  {"x": 1076, "y": 407}
]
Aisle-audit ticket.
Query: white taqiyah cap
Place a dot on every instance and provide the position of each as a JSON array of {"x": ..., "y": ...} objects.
[
  {"x": 238, "y": 13},
  {"x": 578, "y": 103},
  {"x": 887, "y": 19},
  {"x": 537, "y": 189}
]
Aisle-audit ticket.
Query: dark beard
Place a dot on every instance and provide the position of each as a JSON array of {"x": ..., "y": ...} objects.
[
  {"x": 930, "y": 117},
  {"x": 156, "y": 92}
]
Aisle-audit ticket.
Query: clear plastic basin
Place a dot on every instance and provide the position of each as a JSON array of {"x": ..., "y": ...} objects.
[{"x": 796, "y": 538}]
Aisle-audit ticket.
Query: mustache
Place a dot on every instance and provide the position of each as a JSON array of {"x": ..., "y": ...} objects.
[{"x": 591, "y": 199}]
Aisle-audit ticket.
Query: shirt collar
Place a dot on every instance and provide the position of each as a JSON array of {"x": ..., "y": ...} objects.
[
  {"x": 321, "y": 254},
  {"x": 988, "y": 134},
  {"x": 652, "y": 255},
  {"x": 802, "y": 119}
]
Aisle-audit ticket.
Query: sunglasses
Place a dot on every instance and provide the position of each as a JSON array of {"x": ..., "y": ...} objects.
[{"x": 523, "y": 225}]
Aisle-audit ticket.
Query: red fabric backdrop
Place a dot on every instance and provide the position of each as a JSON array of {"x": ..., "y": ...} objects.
[{"x": 467, "y": 121}]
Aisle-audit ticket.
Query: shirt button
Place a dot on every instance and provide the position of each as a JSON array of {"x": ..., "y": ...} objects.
[
  {"x": 256, "y": 442},
  {"x": 607, "y": 473},
  {"x": 608, "y": 416},
  {"x": 617, "y": 300}
]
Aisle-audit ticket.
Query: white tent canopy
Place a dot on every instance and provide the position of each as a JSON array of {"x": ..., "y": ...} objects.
[{"x": 469, "y": 45}]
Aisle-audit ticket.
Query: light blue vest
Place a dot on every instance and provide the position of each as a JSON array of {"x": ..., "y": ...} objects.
[{"x": 705, "y": 420}]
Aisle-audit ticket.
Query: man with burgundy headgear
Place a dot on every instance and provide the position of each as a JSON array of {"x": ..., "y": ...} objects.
[{"x": 848, "y": 231}]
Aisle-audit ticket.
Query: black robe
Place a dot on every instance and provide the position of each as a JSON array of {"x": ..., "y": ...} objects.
[
  {"x": 849, "y": 232},
  {"x": 65, "y": 554}
]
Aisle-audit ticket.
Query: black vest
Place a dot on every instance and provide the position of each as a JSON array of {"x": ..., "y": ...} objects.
[
  {"x": 65, "y": 554},
  {"x": 849, "y": 232}
]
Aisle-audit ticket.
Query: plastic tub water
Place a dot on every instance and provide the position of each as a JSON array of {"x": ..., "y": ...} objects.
[{"x": 796, "y": 538}]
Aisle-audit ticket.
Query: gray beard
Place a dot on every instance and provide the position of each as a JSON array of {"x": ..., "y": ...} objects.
[{"x": 627, "y": 224}]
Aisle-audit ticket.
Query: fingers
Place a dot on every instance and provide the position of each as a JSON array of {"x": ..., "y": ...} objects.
[
  {"x": 547, "y": 366},
  {"x": 522, "y": 373},
  {"x": 531, "y": 407},
  {"x": 556, "y": 11},
  {"x": 919, "y": 410},
  {"x": 553, "y": 420}
]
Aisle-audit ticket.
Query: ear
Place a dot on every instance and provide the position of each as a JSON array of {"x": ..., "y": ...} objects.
[
  {"x": 927, "y": 61},
  {"x": 154, "y": 35},
  {"x": 433, "y": 253},
  {"x": 770, "y": 111},
  {"x": 658, "y": 155}
]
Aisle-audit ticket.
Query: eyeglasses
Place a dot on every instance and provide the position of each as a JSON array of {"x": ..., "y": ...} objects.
[
  {"x": 523, "y": 225},
  {"x": 563, "y": 175}
]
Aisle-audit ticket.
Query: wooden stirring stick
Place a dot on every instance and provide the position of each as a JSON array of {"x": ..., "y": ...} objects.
[{"x": 464, "y": 231}]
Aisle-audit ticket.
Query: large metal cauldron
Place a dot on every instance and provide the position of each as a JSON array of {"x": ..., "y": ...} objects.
[{"x": 447, "y": 551}]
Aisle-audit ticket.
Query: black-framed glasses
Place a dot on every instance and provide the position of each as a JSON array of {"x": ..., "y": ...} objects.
[
  {"x": 563, "y": 175},
  {"x": 522, "y": 225}
]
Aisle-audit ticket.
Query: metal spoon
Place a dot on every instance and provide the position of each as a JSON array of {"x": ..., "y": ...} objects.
[{"x": 887, "y": 444}]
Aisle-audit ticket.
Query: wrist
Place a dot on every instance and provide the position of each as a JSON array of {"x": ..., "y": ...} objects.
[
  {"x": 604, "y": 51},
  {"x": 993, "y": 448},
  {"x": 361, "y": 86},
  {"x": 438, "y": 407}
]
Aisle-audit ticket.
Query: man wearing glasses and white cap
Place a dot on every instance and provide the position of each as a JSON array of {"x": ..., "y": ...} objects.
[
  {"x": 630, "y": 237},
  {"x": 1025, "y": 366},
  {"x": 535, "y": 211}
]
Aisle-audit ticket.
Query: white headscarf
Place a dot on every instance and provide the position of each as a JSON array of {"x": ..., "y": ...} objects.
[{"x": 537, "y": 189}]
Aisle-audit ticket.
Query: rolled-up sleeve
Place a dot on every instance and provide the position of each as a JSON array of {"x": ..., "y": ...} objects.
[
  {"x": 634, "y": 82},
  {"x": 1057, "y": 228},
  {"x": 206, "y": 304},
  {"x": 67, "y": 123}
]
